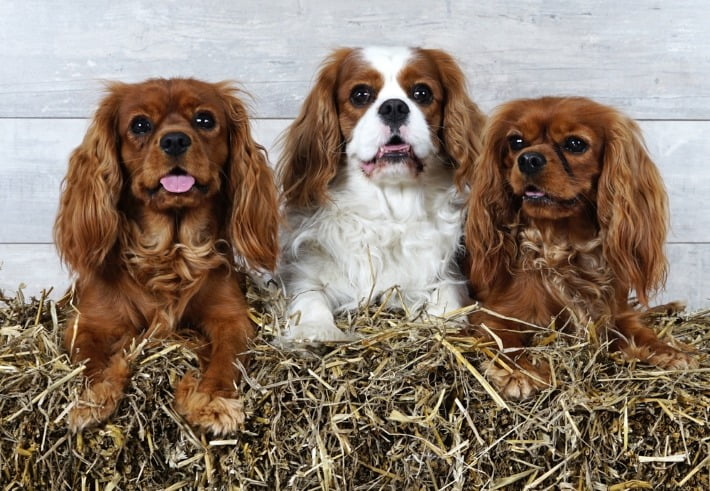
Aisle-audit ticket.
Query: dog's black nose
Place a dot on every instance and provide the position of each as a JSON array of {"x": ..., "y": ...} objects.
[
  {"x": 394, "y": 112},
  {"x": 175, "y": 143},
  {"x": 531, "y": 163}
]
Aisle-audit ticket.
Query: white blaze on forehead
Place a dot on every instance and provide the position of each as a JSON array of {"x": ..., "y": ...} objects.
[{"x": 389, "y": 61}]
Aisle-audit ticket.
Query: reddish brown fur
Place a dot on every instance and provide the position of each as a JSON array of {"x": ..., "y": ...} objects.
[
  {"x": 148, "y": 262},
  {"x": 579, "y": 261},
  {"x": 314, "y": 144}
]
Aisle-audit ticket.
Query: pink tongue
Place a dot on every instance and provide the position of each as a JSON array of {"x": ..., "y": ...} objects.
[
  {"x": 400, "y": 148},
  {"x": 177, "y": 183}
]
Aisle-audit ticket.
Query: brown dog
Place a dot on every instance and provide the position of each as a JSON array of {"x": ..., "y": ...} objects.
[
  {"x": 567, "y": 214},
  {"x": 167, "y": 186}
]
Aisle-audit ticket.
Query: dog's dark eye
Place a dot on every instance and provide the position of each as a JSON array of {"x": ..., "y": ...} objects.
[
  {"x": 141, "y": 125},
  {"x": 362, "y": 95},
  {"x": 574, "y": 144},
  {"x": 516, "y": 143},
  {"x": 204, "y": 120},
  {"x": 422, "y": 94}
]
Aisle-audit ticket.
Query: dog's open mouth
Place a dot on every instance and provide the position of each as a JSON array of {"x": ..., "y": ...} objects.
[
  {"x": 535, "y": 195},
  {"x": 178, "y": 181},
  {"x": 394, "y": 152}
]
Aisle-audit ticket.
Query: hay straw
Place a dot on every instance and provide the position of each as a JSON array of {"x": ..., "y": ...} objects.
[{"x": 403, "y": 407}]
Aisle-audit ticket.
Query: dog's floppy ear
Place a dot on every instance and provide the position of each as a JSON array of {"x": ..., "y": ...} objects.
[
  {"x": 87, "y": 224},
  {"x": 463, "y": 120},
  {"x": 251, "y": 190},
  {"x": 312, "y": 145},
  {"x": 490, "y": 205},
  {"x": 632, "y": 210}
]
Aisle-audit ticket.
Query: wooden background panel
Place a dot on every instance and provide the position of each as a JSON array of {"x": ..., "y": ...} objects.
[
  {"x": 647, "y": 58},
  {"x": 688, "y": 278},
  {"x": 33, "y": 267},
  {"x": 679, "y": 148},
  {"x": 39, "y": 148},
  {"x": 30, "y": 175},
  {"x": 37, "y": 267}
]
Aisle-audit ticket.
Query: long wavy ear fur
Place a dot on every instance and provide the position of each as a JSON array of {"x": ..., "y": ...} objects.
[
  {"x": 490, "y": 206},
  {"x": 463, "y": 120},
  {"x": 251, "y": 191},
  {"x": 86, "y": 227},
  {"x": 632, "y": 210},
  {"x": 312, "y": 145}
]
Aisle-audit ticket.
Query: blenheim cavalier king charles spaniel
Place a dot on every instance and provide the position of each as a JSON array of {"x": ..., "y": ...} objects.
[
  {"x": 166, "y": 188},
  {"x": 567, "y": 214},
  {"x": 367, "y": 173}
]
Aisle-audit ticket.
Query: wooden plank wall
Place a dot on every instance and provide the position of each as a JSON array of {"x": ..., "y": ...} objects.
[{"x": 649, "y": 59}]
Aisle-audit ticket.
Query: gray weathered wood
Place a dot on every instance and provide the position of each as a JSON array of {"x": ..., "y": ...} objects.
[
  {"x": 648, "y": 58},
  {"x": 34, "y": 267},
  {"x": 688, "y": 279}
]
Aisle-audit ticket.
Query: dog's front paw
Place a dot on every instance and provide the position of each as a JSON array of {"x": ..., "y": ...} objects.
[
  {"x": 99, "y": 400},
  {"x": 446, "y": 300},
  {"x": 674, "y": 360},
  {"x": 662, "y": 355},
  {"x": 315, "y": 332},
  {"x": 522, "y": 381},
  {"x": 206, "y": 409}
]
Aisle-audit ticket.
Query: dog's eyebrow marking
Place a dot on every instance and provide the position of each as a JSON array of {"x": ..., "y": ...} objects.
[{"x": 563, "y": 159}]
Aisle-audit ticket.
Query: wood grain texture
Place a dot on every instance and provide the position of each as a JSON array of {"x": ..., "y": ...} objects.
[
  {"x": 32, "y": 267},
  {"x": 647, "y": 58}
]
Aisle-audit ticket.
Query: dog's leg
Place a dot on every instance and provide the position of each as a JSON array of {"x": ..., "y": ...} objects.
[
  {"x": 447, "y": 298},
  {"x": 513, "y": 372},
  {"x": 314, "y": 320},
  {"x": 636, "y": 340},
  {"x": 212, "y": 402},
  {"x": 101, "y": 346}
]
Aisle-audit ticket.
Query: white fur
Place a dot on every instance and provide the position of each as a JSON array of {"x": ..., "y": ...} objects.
[
  {"x": 394, "y": 228},
  {"x": 370, "y": 133}
]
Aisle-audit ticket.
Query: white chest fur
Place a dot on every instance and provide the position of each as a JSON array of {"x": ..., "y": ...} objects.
[{"x": 368, "y": 239}]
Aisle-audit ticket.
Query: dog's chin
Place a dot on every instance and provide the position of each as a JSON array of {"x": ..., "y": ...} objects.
[
  {"x": 163, "y": 201},
  {"x": 176, "y": 191},
  {"x": 391, "y": 169},
  {"x": 393, "y": 161}
]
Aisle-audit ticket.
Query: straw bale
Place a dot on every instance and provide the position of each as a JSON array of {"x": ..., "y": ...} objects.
[{"x": 403, "y": 407}]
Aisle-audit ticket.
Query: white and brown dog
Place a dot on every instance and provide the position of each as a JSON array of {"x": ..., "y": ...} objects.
[{"x": 367, "y": 172}]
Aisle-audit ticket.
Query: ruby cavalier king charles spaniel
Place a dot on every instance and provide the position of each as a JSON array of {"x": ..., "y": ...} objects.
[
  {"x": 167, "y": 187},
  {"x": 567, "y": 215},
  {"x": 367, "y": 172}
]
